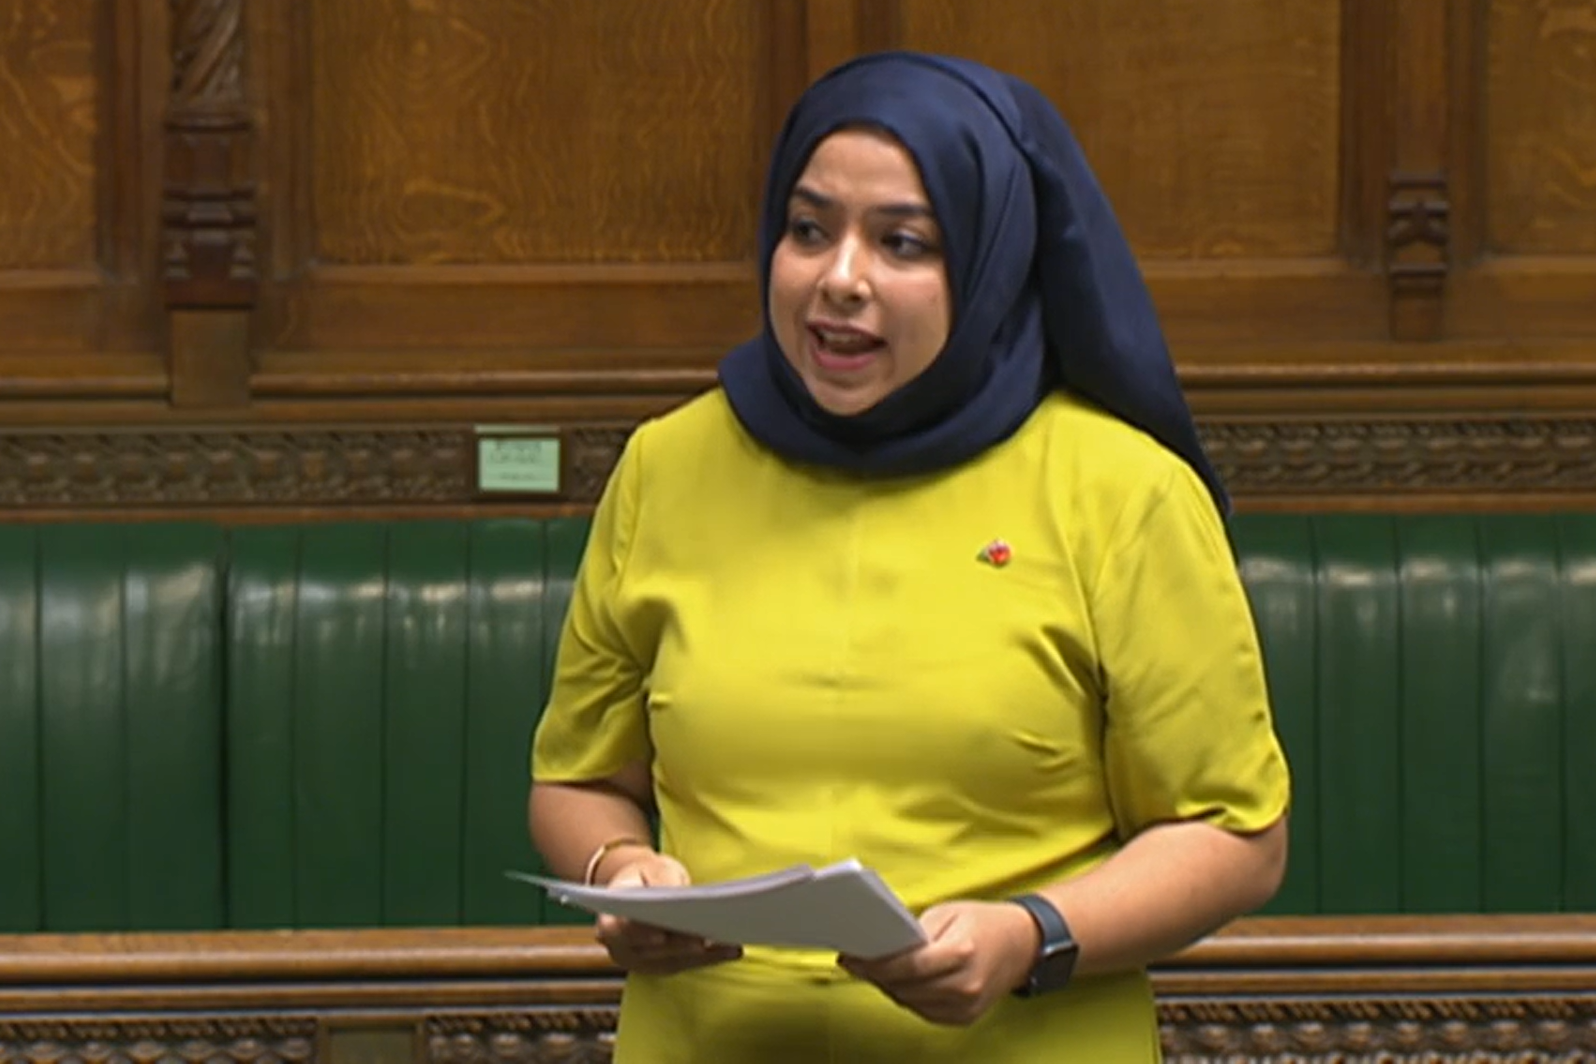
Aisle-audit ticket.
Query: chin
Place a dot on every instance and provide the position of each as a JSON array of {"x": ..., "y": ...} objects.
[{"x": 842, "y": 402}]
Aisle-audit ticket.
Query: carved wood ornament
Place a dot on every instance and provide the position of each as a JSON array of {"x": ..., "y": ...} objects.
[
  {"x": 1418, "y": 235},
  {"x": 370, "y": 465},
  {"x": 190, "y": 1040},
  {"x": 1440, "y": 1031},
  {"x": 208, "y": 192},
  {"x": 1506, "y": 1029}
]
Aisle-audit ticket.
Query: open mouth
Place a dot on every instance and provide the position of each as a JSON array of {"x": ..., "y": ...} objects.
[{"x": 842, "y": 350}]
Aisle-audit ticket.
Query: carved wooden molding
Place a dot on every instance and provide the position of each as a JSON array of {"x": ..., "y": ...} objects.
[
  {"x": 208, "y": 193},
  {"x": 1500, "y": 1029},
  {"x": 1415, "y": 119},
  {"x": 1313, "y": 990},
  {"x": 1418, "y": 253},
  {"x": 234, "y": 467},
  {"x": 208, "y": 54},
  {"x": 280, "y": 466},
  {"x": 594, "y": 452},
  {"x": 570, "y": 1036},
  {"x": 1438, "y": 1030},
  {"x": 1418, "y": 233},
  {"x": 404, "y": 465},
  {"x": 232, "y": 1039},
  {"x": 1417, "y": 456}
]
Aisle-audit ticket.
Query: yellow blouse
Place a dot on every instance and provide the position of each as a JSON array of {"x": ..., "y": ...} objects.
[{"x": 820, "y": 666}]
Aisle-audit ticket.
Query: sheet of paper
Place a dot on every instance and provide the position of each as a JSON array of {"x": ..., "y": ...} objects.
[{"x": 843, "y": 907}]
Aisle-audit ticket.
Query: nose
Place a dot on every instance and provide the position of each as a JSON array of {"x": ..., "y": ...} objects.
[{"x": 844, "y": 280}]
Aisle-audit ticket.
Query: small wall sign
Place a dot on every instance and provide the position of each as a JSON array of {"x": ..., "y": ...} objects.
[{"x": 519, "y": 460}]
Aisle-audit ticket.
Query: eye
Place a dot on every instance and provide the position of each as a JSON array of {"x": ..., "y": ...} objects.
[
  {"x": 908, "y": 245},
  {"x": 804, "y": 230}
]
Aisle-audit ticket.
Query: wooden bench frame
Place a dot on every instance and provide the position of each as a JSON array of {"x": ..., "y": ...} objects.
[{"x": 1466, "y": 988}]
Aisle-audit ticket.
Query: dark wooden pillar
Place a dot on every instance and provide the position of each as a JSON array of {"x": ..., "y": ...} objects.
[{"x": 208, "y": 215}]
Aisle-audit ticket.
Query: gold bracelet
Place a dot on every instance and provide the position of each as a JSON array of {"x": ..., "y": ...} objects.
[{"x": 604, "y": 851}]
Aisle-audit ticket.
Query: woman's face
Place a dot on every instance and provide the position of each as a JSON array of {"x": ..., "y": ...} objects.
[{"x": 859, "y": 296}]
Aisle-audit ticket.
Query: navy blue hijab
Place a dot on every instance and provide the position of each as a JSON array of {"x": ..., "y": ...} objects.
[{"x": 1046, "y": 293}]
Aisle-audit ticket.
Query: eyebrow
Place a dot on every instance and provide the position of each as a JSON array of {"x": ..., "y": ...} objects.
[{"x": 899, "y": 210}]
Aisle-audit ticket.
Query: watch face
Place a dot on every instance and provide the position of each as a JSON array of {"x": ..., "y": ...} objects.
[{"x": 1054, "y": 967}]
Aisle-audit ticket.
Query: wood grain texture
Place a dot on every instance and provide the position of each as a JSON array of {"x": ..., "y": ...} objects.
[
  {"x": 521, "y": 131},
  {"x": 1541, "y": 126},
  {"x": 1488, "y": 990},
  {"x": 49, "y": 311},
  {"x": 1213, "y": 127},
  {"x": 599, "y": 307},
  {"x": 1466, "y": 145},
  {"x": 1526, "y": 297},
  {"x": 1419, "y": 212},
  {"x": 831, "y": 35},
  {"x": 48, "y": 126}
]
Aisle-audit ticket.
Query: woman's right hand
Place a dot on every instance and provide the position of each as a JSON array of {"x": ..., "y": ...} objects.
[{"x": 652, "y": 950}]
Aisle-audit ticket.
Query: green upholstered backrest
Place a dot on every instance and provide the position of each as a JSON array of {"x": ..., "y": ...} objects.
[
  {"x": 383, "y": 684},
  {"x": 1434, "y": 681},
  {"x": 327, "y": 725},
  {"x": 110, "y": 728}
]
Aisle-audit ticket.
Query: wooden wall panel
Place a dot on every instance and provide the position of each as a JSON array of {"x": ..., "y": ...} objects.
[
  {"x": 1531, "y": 279},
  {"x": 47, "y": 132},
  {"x": 523, "y": 178},
  {"x": 1198, "y": 166},
  {"x": 1541, "y": 128},
  {"x": 502, "y": 131},
  {"x": 1228, "y": 186},
  {"x": 78, "y": 195},
  {"x": 1368, "y": 225}
]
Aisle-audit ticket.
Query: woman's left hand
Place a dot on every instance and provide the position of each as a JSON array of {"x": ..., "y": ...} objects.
[{"x": 977, "y": 952}]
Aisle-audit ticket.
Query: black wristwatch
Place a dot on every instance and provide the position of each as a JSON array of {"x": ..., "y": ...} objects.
[{"x": 1055, "y": 959}]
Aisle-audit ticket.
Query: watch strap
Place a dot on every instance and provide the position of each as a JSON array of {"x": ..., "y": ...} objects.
[
  {"x": 1055, "y": 956},
  {"x": 1047, "y": 917}
]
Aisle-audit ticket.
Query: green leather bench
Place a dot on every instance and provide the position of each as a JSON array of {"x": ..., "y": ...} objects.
[
  {"x": 383, "y": 680},
  {"x": 326, "y": 725},
  {"x": 1434, "y": 681},
  {"x": 111, "y": 740}
]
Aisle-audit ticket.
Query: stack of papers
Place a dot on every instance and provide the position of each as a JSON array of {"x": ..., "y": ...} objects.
[{"x": 843, "y": 907}]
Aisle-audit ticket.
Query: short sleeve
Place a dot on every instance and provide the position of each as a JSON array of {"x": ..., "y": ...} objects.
[
  {"x": 593, "y": 724},
  {"x": 1188, "y": 732}
]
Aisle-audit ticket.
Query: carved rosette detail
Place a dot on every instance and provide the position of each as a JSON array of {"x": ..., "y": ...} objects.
[
  {"x": 208, "y": 193},
  {"x": 565, "y": 1036},
  {"x": 1484, "y": 456},
  {"x": 594, "y": 454},
  {"x": 224, "y": 1040},
  {"x": 235, "y": 468},
  {"x": 1532, "y": 1029}
]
